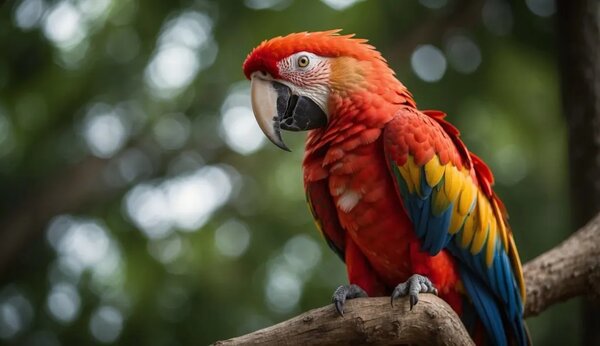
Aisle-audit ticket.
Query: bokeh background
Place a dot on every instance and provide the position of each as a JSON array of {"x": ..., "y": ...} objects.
[{"x": 141, "y": 205}]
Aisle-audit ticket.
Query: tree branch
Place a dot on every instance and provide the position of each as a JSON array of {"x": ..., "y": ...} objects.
[
  {"x": 570, "y": 269},
  {"x": 367, "y": 321}
]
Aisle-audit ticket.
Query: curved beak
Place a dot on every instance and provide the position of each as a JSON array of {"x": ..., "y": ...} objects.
[{"x": 276, "y": 107}]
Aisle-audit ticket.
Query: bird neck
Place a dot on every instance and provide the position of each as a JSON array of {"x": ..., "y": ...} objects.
[{"x": 368, "y": 108}]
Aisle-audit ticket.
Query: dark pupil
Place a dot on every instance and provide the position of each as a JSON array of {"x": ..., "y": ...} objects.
[{"x": 302, "y": 61}]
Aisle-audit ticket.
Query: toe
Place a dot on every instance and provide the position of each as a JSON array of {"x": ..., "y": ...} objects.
[
  {"x": 339, "y": 307},
  {"x": 399, "y": 291},
  {"x": 344, "y": 292},
  {"x": 414, "y": 299},
  {"x": 339, "y": 298},
  {"x": 412, "y": 287}
]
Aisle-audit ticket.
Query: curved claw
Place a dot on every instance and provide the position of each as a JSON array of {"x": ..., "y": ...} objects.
[
  {"x": 412, "y": 287},
  {"x": 346, "y": 292},
  {"x": 339, "y": 307}
]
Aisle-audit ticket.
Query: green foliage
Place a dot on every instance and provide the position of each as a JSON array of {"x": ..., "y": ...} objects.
[{"x": 191, "y": 227}]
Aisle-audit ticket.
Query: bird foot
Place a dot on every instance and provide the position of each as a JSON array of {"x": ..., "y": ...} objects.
[
  {"x": 346, "y": 292},
  {"x": 412, "y": 287}
]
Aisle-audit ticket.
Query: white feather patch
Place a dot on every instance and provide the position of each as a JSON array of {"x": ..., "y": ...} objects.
[
  {"x": 348, "y": 200},
  {"x": 339, "y": 190}
]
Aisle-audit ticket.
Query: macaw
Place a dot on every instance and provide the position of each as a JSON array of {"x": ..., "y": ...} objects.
[{"x": 393, "y": 189}]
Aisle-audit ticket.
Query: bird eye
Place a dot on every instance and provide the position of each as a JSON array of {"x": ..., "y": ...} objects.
[{"x": 303, "y": 61}]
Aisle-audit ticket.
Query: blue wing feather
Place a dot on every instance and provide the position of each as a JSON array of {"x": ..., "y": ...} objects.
[
  {"x": 437, "y": 236},
  {"x": 486, "y": 306},
  {"x": 423, "y": 219}
]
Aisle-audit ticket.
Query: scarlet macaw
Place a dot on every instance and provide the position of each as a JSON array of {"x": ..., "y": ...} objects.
[{"x": 393, "y": 189}]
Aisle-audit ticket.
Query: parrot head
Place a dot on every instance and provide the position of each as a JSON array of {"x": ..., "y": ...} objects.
[{"x": 306, "y": 81}]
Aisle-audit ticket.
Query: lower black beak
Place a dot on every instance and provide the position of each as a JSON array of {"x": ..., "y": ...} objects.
[
  {"x": 276, "y": 107},
  {"x": 297, "y": 113}
]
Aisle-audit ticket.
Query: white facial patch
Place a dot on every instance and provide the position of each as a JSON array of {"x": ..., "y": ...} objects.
[
  {"x": 348, "y": 200},
  {"x": 318, "y": 93},
  {"x": 311, "y": 80}
]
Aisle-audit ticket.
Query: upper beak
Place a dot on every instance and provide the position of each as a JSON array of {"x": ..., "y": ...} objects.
[{"x": 276, "y": 108}]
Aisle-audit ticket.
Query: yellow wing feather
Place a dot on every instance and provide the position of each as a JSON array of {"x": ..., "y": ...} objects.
[
  {"x": 482, "y": 225},
  {"x": 452, "y": 187},
  {"x": 491, "y": 243},
  {"x": 452, "y": 182},
  {"x": 468, "y": 230},
  {"x": 415, "y": 174},
  {"x": 501, "y": 225},
  {"x": 467, "y": 196},
  {"x": 457, "y": 220},
  {"x": 434, "y": 171},
  {"x": 406, "y": 176}
]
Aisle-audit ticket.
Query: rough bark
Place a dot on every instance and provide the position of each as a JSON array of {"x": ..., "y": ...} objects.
[
  {"x": 570, "y": 269},
  {"x": 367, "y": 321},
  {"x": 579, "y": 48}
]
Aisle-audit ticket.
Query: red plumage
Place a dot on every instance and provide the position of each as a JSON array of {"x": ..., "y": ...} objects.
[{"x": 380, "y": 245}]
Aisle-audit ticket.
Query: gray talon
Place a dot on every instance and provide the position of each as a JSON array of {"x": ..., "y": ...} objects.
[
  {"x": 412, "y": 287},
  {"x": 346, "y": 292}
]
